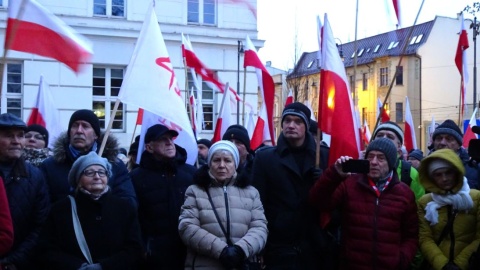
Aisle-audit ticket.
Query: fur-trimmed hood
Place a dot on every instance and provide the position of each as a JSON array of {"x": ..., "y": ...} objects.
[
  {"x": 203, "y": 179},
  {"x": 60, "y": 148}
]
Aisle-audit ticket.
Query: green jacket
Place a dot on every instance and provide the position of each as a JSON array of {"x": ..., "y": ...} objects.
[
  {"x": 415, "y": 185},
  {"x": 466, "y": 225}
]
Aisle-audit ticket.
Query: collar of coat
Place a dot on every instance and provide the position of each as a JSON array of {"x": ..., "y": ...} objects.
[{"x": 202, "y": 179}]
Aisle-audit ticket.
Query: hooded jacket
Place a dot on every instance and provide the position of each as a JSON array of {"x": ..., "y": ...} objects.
[
  {"x": 466, "y": 225},
  {"x": 199, "y": 228},
  {"x": 56, "y": 169}
]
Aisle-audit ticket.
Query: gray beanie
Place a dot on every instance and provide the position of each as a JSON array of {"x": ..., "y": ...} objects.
[
  {"x": 387, "y": 147},
  {"x": 226, "y": 146},
  {"x": 451, "y": 128},
  {"x": 391, "y": 126},
  {"x": 84, "y": 162},
  {"x": 297, "y": 109}
]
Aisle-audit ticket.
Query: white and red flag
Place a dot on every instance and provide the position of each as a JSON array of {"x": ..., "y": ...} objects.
[
  {"x": 139, "y": 117},
  {"x": 260, "y": 133},
  {"x": 33, "y": 29},
  {"x": 45, "y": 113},
  {"x": 431, "y": 129},
  {"x": 289, "y": 99},
  {"x": 461, "y": 62},
  {"x": 193, "y": 109},
  {"x": 150, "y": 84},
  {"x": 250, "y": 124},
  {"x": 265, "y": 82},
  {"x": 367, "y": 135},
  {"x": 337, "y": 116},
  {"x": 319, "y": 38},
  {"x": 410, "y": 140},
  {"x": 224, "y": 118},
  {"x": 469, "y": 134},
  {"x": 397, "y": 9},
  {"x": 246, "y": 3},
  {"x": 383, "y": 111}
]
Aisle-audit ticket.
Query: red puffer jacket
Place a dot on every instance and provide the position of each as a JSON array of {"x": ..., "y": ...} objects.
[{"x": 378, "y": 232}]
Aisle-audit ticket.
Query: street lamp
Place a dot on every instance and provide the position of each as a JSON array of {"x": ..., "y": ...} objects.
[{"x": 240, "y": 51}]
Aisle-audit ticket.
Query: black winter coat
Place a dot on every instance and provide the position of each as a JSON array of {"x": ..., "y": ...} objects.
[
  {"x": 111, "y": 229},
  {"x": 160, "y": 187},
  {"x": 29, "y": 206},
  {"x": 57, "y": 167}
]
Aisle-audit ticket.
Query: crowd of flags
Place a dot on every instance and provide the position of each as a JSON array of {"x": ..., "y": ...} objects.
[{"x": 150, "y": 72}]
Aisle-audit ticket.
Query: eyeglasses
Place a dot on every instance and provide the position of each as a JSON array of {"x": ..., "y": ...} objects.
[
  {"x": 91, "y": 173},
  {"x": 36, "y": 136}
]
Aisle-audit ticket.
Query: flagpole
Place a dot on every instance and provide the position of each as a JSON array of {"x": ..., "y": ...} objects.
[
  {"x": 133, "y": 134},
  {"x": 244, "y": 92},
  {"x": 186, "y": 74},
  {"x": 223, "y": 100},
  {"x": 110, "y": 123},
  {"x": 398, "y": 65}
]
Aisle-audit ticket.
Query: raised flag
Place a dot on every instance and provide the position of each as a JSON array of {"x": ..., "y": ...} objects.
[
  {"x": 337, "y": 115},
  {"x": 260, "y": 133},
  {"x": 367, "y": 135},
  {"x": 410, "y": 137},
  {"x": 431, "y": 129},
  {"x": 224, "y": 117},
  {"x": 309, "y": 106},
  {"x": 193, "y": 109},
  {"x": 265, "y": 82},
  {"x": 469, "y": 134},
  {"x": 381, "y": 109},
  {"x": 33, "y": 29},
  {"x": 461, "y": 62},
  {"x": 289, "y": 99},
  {"x": 396, "y": 7},
  {"x": 150, "y": 84},
  {"x": 45, "y": 113},
  {"x": 139, "y": 117},
  {"x": 250, "y": 124},
  {"x": 319, "y": 39}
]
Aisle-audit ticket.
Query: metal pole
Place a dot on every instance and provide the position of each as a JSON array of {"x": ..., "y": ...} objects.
[
  {"x": 475, "y": 33},
  {"x": 238, "y": 80}
]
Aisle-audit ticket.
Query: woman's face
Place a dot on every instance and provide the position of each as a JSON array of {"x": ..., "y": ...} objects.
[
  {"x": 94, "y": 179},
  {"x": 444, "y": 178},
  {"x": 222, "y": 165}
]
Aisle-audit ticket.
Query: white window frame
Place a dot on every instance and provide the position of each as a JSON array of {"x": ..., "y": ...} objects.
[
  {"x": 10, "y": 98},
  {"x": 206, "y": 102},
  {"x": 202, "y": 12},
  {"x": 384, "y": 76},
  {"x": 109, "y": 8},
  {"x": 108, "y": 100}
]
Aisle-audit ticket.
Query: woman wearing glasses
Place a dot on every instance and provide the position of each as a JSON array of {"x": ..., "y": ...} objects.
[
  {"x": 36, "y": 144},
  {"x": 108, "y": 224}
]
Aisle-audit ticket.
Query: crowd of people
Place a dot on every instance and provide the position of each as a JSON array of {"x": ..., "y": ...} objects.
[{"x": 67, "y": 207}]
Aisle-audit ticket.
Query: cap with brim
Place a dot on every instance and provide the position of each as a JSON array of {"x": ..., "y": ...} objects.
[
  {"x": 155, "y": 132},
  {"x": 8, "y": 120}
]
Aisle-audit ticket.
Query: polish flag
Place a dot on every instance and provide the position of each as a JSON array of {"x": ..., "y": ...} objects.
[
  {"x": 337, "y": 115},
  {"x": 309, "y": 106},
  {"x": 381, "y": 109},
  {"x": 150, "y": 84},
  {"x": 469, "y": 133},
  {"x": 410, "y": 138},
  {"x": 193, "y": 62},
  {"x": 33, "y": 29},
  {"x": 260, "y": 134},
  {"x": 193, "y": 107},
  {"x": 431, "y": 129},
  {"x": 246, "y": 3},
  {"x": 319, "y": 38},
  {"x": 289, "y": 99},
  {"x": 45, "y": 113},
  {"x": 461, "y": 61},
  {"x": 367, "y": 135},
  {"x": 139, "y": 116},
  {"x": 396, "y": 7},
  {"x": 265, "y": 82},
  {"x": 250, "y": 124},
  {"x": 224, "y": 117}
]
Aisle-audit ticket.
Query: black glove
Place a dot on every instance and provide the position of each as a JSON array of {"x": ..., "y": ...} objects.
[
  {"x": 232, "y": 257},
  {"x": 451, "y": 266}
]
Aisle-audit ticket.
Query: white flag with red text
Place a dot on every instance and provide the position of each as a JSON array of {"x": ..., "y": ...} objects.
[
  {"x": 150, "y": 83},
  {"x": 410, "y": 140},
  {"x": 33, "y": 29}
]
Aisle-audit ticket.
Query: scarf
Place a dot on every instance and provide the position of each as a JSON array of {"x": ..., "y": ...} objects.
[
  {"x": 460, "y": 201},
  {"x": 95, "y": 197},
  {"x": 75, "y": 153}
]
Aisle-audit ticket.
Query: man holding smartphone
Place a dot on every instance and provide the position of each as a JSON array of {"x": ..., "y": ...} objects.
[{"x": 379, "y": 213}]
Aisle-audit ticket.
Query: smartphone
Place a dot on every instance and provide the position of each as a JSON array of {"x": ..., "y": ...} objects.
[{"x": 356, "y": 166}]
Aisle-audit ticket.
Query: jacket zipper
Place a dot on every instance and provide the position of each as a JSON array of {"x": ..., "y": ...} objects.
[{"x": 225, "y": 195}]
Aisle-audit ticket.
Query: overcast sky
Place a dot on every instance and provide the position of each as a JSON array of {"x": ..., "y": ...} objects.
[{"x": 281, "y": 22}]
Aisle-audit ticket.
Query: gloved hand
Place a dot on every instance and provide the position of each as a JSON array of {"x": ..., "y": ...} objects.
[
  {"x": 451, "y": 266},
  {"x": 86, "y": 266},
  {"x": 232, "y": 257},
  {"x": 315, "y": 173}
]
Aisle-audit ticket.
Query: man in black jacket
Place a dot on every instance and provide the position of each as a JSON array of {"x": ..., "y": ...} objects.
[
  {"x": 160, "y": 184},
  {"x": 284, "y": 175},
  {"x": 26, "y": 191}
]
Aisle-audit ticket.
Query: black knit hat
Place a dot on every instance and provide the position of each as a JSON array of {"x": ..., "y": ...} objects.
[
  {"x": 205, "y": 142},
  {"x": 391, "y": 126},
  {"x": 449, "y": 127},
  {"x": 88, "y": 116},
  {"x": 237, "y": 132},
  {"x": 8, "y": 120},
  {"x": 387, "y": 147},
  {"x": 416, "y": 154},
  {"x": 297, "y": 109},
  {"x": 37, "y": 128}
]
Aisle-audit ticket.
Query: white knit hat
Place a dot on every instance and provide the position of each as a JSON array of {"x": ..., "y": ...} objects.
[
  {"x": 438, "y": 164},
  {"x": 225, "y": 146}
]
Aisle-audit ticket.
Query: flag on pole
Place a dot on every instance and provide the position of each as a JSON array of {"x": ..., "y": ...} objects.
[
  {"x": 139, "y": 116},
  {"x": 431, "y": 129},
  {"x": 396, "y": 7},
  {"x": 265, "y": 82},
  {"x": 193, "y": 109},
  {"x": 319, "y": 38},
  {"x": 337, "y": 116},
  {"x": 250, "y": 124},
  {"x": 381, "y": 109},
  {"x": 289, "y": 99},
  {"x": 309, "y": 106},
  {"x": 410, "y": 137},
  {"x": 200, "y": 118},
  {"x": 45, "y": 113},
  {"x": 461, "y": 62},
  {"x": 469, "y": 134},
  {"x": 367, "y": 135},
  {"x": 33, "y": 29},
  {"x": 260, "y": 133},
  {"x": 224, "y": 118},
  {"x": 150, "y": 84}
]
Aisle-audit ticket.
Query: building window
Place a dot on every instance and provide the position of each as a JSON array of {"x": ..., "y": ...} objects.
[
  {"x": 364, "y": 81},
  {"x": 110, "y": 8},
  {"x": 384, "y": 76},
  {"x": 12, "y": 101},
  {"x": 106, "y": 86},
  {"x": 399, "y": 112},
  {"x": 207, "y": 101},
  {"x": 399, "y": 77},
  {"x": 202, "y": 12}
]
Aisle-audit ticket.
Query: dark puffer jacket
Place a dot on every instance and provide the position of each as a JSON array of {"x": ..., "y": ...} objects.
[
  {"x": 160, "y": 187},
  {"x": 471, "y": 169},
  {"x": 57, "y": 167},
  {"x": 29, "y": 206},
  {"x": 377, "y": 232}
]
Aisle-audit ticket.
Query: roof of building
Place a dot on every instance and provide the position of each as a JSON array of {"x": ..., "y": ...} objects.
[{"x": 369, "y": 49}]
